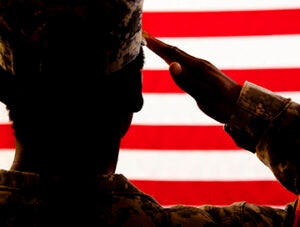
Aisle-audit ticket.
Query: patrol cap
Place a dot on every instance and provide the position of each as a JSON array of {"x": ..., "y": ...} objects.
[
  {"x": 122, "y": 20},
  {"x": 126, "y": 35}
]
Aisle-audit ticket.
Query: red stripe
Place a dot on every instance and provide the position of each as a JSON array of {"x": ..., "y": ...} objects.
[
  {"x": 160, "y": 81},
  {"x": 7, "y": 139},
  {"x": 158, "y": 137},
  {"x": 229, "y": 23},
  {"x": 216, "y": 193},
  {"x": 177, "y": 138}
]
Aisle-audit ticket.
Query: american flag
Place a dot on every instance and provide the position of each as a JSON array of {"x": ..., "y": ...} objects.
[
  {"x": 173, "y": 151},
  {"x": 176, "y": 153}
]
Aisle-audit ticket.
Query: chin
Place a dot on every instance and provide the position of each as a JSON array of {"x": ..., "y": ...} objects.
[{"x": 125, "y": 124}]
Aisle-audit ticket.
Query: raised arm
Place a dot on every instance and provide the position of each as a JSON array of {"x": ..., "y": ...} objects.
[{"x": 257, "y": 119}]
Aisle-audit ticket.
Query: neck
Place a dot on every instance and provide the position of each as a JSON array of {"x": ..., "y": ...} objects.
[{"x": 64, "y": 160}]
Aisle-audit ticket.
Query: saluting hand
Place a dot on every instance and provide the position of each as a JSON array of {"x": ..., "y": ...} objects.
[{"x": 214, "y": 92}]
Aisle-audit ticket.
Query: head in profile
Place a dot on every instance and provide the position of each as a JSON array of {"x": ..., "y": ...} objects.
[{"x": 71, "y": 80}]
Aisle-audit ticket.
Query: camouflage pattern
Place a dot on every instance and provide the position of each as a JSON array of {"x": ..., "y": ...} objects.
[
  {"x": 28, "y": 199},
  {"x": 269, "y": 125},
  {"x": 27, "y": 22}
]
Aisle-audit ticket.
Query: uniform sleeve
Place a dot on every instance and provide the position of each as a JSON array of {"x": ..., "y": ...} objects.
[
  {"x": 253, "y": 113},
  {"x": 236, "y": 214},
  {"x": 269, "y": 125}
]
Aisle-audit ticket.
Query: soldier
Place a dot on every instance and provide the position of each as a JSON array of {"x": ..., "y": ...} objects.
[{"x": 71, "y": 80}]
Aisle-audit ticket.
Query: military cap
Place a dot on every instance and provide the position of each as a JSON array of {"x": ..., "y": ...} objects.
[{"x": 123, "y": 20}]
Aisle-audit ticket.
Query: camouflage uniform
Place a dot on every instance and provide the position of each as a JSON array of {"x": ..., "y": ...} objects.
[{"x": 28, "y": 199}]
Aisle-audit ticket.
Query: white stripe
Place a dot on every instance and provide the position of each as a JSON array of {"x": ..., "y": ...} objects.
[
  {"x": 217, "y": 5},
  {"x": 3, "y": 114},
  {"x": 179, "y": 109},
  {"x": 176, "y": 165},
  {"x": 169, "y": 109},
  {"x": 280, "y": 51},
  {"x": 295, "y": 96},
  {"x": 6, "y": 158}
]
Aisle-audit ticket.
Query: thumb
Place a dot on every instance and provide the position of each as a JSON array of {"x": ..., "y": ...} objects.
[
  {"x": 179, "y": 76},
  {"x": 175, "y": 69}
]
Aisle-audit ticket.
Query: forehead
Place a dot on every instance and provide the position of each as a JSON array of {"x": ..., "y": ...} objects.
[{"x": 117, "y": 22}]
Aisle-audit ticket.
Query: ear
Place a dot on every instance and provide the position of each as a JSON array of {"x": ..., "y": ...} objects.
[{"x": 7, "y": 87}]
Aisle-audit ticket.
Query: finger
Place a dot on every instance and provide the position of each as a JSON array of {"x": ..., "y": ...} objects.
[{"x": 167, "y": 52}]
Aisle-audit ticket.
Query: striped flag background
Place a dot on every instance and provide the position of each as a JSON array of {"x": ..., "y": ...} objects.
[{"x": 173, "y": 151}]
